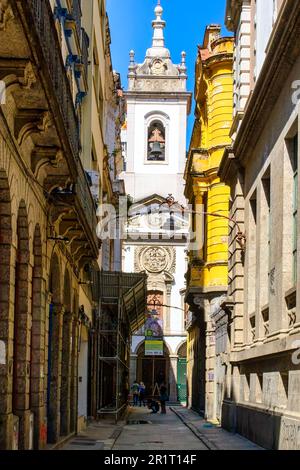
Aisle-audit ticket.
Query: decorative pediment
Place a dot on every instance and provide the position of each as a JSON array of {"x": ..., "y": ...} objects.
[{"x": 151, "y": 215}]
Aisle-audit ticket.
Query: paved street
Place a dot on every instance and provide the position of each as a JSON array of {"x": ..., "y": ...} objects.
[
  {"x": 162, "y": 432},
  {"x": 180, "y": 429}
]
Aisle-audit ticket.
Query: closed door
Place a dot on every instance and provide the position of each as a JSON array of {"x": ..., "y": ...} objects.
[
  {"x": 153, "y": 374},
  {"x": 181, "y": 380}
]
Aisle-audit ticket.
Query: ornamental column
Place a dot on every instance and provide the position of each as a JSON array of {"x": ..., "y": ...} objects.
[
  {"x": 54, "y": 374},
  {"x": 173, "y": 378}
]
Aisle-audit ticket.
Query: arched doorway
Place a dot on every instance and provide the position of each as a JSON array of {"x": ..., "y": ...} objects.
[{"x": 153, "y": 370}]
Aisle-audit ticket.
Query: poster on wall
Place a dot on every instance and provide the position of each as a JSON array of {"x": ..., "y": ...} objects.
[{"x": 154, "y": 344}]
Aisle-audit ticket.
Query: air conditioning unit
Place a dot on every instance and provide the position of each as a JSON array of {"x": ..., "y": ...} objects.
[{"x": 15, "y": 437}]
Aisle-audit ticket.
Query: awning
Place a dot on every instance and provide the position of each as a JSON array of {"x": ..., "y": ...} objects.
[{"x": 128, "y": 290}]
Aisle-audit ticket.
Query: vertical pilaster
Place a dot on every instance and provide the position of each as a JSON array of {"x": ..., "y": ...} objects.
[
  {"x": 74, "y": 375},
  {"x": 66, "y": 370},
  {"x": 210, "y": 405},
  {"x": 167, "y": 325},
  {"x": 6, "y": 336},
  {"x": 133, "y": 368},
  {"x": 22, "y": 338},
  {"x": 199, "y": 222},
  {"x": 55, "y": 374},
  {"x": 38, "y": 366},
  {"x": 173, "y": 378}
]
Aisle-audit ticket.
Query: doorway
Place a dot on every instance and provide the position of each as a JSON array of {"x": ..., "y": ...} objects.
[
  {"x": 153, "y": 370},
  {"x": 181, "y": 374}
]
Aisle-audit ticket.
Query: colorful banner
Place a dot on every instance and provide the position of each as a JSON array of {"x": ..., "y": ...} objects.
[
  {"x": 153, "y": 326},
  {"x": 154, "y": 344}
]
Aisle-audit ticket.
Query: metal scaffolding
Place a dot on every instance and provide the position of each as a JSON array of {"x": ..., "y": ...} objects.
[{"x": 123, "y": 299}]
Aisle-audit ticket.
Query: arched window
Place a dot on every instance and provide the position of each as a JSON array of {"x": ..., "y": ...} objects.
[{"x": 156, "y": 142}]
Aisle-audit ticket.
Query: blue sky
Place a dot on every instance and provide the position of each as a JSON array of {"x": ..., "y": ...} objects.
[{"x": 130, "y": 24}]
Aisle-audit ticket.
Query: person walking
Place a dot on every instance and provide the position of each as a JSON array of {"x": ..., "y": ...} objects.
[
  {"x": 142, "y": 394},
  {"x": 163, "y": 398},
  {"x": 135, "y": 392}
]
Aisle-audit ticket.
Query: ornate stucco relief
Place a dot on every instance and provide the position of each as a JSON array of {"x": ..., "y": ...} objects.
[{"x": 155, "y": 259}]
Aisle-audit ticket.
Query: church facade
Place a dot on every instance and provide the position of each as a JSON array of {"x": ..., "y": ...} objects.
[{"x": 156, "y": 238}]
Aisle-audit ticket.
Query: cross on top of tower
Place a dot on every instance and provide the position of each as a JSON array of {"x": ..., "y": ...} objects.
[{"x": 158, "y": 62}]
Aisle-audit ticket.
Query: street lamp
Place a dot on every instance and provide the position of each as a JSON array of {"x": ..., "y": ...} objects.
[{"x": 60, "y": 238}]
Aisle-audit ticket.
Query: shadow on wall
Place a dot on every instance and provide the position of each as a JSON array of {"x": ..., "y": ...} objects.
[
  {"x": 261, "y": 427},
  {"x": 197, "y": 388}
]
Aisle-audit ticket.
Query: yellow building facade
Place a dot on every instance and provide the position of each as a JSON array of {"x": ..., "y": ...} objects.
[{"x": 207, "y": 275}]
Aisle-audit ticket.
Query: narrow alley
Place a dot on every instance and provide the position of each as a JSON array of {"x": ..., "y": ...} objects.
[{"x": 149, "y": 229}]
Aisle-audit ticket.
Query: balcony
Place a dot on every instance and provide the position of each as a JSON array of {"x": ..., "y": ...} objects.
[
  {"x": 43, "y": 101},
  {"x": 76, "y": 16},
  {"x": 40, "y": 20},
  {"x": 72, "y": 22},
  {"x": 82, "y": 63}
]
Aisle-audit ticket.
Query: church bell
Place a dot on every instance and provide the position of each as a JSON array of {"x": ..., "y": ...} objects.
[{"x": 156, "y": 151}]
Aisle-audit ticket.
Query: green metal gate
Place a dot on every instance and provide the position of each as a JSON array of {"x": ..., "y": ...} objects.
[{"x": 181, "y": 380}]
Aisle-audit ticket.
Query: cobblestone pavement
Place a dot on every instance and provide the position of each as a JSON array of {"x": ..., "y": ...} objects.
[{"x": 179, "y": 429}]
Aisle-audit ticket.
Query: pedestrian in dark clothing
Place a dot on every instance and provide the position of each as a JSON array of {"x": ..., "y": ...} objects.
[
  {"x": 153, "y": 405},
  {"x": 135, "y": 392},
  {"x": 163, "y": 398},
  {"x": 142, "y": 394}
]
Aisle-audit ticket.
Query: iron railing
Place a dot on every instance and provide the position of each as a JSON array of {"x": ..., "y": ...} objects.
[
  {"x": 40, "y": 18},
  {"x": 43, "y": 23}
]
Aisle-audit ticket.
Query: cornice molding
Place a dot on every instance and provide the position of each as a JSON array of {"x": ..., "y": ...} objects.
[{"x": 282, "y": 54}]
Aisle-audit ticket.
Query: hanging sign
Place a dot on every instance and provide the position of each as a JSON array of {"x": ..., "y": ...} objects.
[{"x": 154, "y": 348}]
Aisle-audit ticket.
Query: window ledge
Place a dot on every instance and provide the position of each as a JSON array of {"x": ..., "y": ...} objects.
[{"x": 289, "y": 293}]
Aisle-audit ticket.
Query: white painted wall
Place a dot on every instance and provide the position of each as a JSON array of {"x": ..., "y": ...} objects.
[
  {"x": 177, "y": 316},
  {"x": 265, "y": 15}
]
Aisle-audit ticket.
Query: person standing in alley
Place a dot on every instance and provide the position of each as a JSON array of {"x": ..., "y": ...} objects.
[
  {"x": 135, "y": 392},
  {"x": 163, "y": 398},
  {"x": 142, "y": 394}
]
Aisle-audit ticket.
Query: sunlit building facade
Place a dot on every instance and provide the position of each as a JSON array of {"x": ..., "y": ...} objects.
[{"x": 207, "y": 274}]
